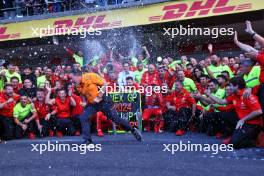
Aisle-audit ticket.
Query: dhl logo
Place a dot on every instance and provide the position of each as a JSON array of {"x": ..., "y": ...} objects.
[
  {"x": 95, "y": 22},
  {"x": 4, "y": 35},
  {"x": 198, "y": 8}
]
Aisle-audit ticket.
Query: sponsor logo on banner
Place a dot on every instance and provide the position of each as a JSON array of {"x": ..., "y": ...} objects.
[
  {"x": 87, "y": 22},
  {"x": 4, "y": 35},
  {"x": 90, "y": 22},
  {"x": 125, "y": 17},
  {"x": 182, "y": 10}
]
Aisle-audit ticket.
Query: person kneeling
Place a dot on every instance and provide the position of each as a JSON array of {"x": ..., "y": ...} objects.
[
  {"x": 63, "y": 104},
  {"x": 24, "y": 116},
  {"x": 247, "y": 122},
  {"x": 154, "y": 108},
  {"x": 183, "y": 107},
  {"x": 45, "y": 117}
]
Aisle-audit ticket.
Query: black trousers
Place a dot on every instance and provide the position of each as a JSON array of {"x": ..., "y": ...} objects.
[
  {"x": 76, "y": 122},
  {"x": 227, "y": 122},
  {"x": 47, "y": 125},
  {"x": 6, "y": 128},
  {"x": 261, "y": 98},
  {"x": 241, "y": 138},
  {"x": 245, "y": 137},
  {"x": 107, "y": 107},
  {"x": 65, "y": 125},
  {"x": 32, "y": 128},
  {"x": 175, "y": 120},
  {"x": 223, "y": 122}
]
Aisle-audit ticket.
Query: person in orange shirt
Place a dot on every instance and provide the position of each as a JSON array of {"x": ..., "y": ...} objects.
[{"x": 92, "y": 88}]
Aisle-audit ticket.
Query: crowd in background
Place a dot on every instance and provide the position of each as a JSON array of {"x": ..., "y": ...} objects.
[
  {"x": 219, "y": 96},
  {"x": 20, "y": 8}
]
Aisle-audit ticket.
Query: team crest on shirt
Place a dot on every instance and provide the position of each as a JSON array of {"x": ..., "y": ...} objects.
[{"x": 243, "y": 106}]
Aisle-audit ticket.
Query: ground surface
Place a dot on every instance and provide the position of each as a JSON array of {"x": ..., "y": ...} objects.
[{"x": 121, "y": 155}]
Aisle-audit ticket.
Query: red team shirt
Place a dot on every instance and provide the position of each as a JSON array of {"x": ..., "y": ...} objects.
[
  {"x": 188, "y": 74},
  {"x": 7, "y": 110},
  {"x": 165, "y": 79},
  {"x": 42, "y": 109},
  {"x": 260, "y": 60},
  {"x": 201, "y": 88},
  {"x": 181, "y": 99},
  {"x": 149, "y": 79},
  {"x": 110, "y": 82},
  {"x": 52, "y": 79},
  {"x": 63, "y": 108},
  {"x": 154, "y": 100},
  {"x": 244, "y": 106},
  {"x": 19, "y": 86},
  {"x": 78, "y": 109}
]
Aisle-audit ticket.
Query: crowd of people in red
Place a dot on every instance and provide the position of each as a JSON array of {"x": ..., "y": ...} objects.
[{"x": 219, "y": 96}]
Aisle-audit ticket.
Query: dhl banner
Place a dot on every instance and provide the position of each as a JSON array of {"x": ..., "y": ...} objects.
[{"x": 149, "y": 14}]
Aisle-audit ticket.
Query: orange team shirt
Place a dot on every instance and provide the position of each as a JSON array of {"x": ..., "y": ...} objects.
[{"x": 88, "y": 86}]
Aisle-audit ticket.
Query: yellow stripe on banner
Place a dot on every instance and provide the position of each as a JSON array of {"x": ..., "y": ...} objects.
[{"x": 149, "y": 14}]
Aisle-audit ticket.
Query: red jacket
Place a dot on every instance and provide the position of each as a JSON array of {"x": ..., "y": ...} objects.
[
  {"x": 42, "y": 109},
  {"x": 7, "y": 110},
  {"x": 19, "y": 86},
  {"x": 181, "y": 99},
  {"x": 260, "y": 60},
  {"x": 63, "y": 108},
  {"x": 244, "y": 106},
  {"x": 149, "y": 79},
  {"x": 154, "y": 100},
  {"x": 201, "y": 88},
  {"x": 78, "y": 109},
  {"x": 165, "y": 78}
]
